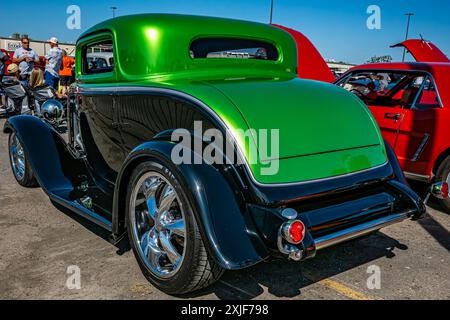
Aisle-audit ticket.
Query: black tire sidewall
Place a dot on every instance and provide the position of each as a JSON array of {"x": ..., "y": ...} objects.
[
  {"x": 442, "y": 173},
  {"x": 180, "y": 281}
]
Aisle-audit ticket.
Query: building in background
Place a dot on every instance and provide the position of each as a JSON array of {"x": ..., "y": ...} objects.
[
  {"x": 10, "y": 44},
  {"x": 339, "y": 67}
]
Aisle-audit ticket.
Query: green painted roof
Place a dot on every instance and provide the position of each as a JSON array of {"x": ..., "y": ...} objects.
[{"x": 149, "y": 45}]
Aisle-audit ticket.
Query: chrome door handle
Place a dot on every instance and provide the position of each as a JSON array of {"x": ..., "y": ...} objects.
[{"x": 393, "y": 116}]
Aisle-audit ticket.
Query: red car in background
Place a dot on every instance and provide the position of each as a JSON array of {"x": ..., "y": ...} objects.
[
  {"x": 41, "y": 63},
  {"x": 410, "y": 101},
  {"x": 310, "y": 63},
  {"x": 8, "y": 61}
]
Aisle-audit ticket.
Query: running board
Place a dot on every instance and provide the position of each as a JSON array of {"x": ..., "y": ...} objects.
[{"x": 84, "y": 212}]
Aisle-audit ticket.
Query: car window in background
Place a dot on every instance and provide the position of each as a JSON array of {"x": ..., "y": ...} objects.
[
  {"x": 428, "y": 97},
  {"x": 392, "y": 89},
  {"x": 97, "y": 57},
  {"x": 97, "y": 63}
]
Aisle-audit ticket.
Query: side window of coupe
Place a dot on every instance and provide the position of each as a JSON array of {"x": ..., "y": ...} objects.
[
  {"x": 98, "y": 57},
  {"x": 232, "y": 48}
]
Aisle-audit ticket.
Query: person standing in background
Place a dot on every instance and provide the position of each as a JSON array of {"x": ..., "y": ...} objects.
[
  {"x": 54, "y": 60},
  {"x": 3, "y": 58},
  {"x": 66, "y": 72},
  {"x": 25, "y": 57}
]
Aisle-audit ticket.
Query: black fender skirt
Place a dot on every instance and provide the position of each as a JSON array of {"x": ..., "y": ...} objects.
[
  {"x": 59, "y": 173},
  {"x": 223, "y": 223}
]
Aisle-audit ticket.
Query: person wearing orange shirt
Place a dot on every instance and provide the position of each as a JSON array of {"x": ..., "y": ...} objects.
[{"x": 66, "y": 72}]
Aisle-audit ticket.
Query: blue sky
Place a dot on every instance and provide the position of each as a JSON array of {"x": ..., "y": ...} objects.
[{"x": 337, "y": 28}]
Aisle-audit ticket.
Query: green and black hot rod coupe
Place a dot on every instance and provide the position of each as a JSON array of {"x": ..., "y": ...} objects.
[{"x": 325, "y": 176}]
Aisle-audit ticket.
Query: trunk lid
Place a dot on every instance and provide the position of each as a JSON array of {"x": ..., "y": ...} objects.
[{"x": 324, "y": 131}]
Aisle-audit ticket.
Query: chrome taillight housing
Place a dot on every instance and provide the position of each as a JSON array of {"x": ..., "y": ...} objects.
[{"x": 293, "y": 231}]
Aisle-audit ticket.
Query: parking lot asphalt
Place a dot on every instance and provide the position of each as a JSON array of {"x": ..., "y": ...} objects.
[{"x": 39, "y": 243}]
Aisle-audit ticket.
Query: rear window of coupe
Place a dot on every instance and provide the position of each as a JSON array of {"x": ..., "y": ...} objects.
[{"x": 232, "y": 48}]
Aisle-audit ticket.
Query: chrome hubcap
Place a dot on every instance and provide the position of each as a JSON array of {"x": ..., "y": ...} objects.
[
  {"x": 17, "y": 157},
  {"x": 158, "y": 224}
]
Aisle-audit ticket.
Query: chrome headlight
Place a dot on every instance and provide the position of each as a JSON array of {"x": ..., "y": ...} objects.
[{"x": 52, "y": 110}]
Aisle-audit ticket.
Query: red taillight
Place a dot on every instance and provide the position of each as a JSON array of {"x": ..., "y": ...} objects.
[
  {"x": 294, "y": 231},
  {"x": 444, "y": 190}
]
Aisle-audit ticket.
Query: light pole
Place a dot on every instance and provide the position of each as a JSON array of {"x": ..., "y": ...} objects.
[
  {"x": 114, "y": 11},
  {"x": 407, "y": 33},
  {"x": 271, "y": 11}
]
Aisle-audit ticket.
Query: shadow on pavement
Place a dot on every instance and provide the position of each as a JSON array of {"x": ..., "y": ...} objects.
[
  {"x": 437, "y": 231},
  {"x": 286, "y": 279},
  {"x": 122, "y": 246},
  {"x": 433, "y": 227}
]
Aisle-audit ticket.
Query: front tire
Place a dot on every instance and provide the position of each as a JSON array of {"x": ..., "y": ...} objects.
[
  {"x": 163, "y": 231},
  {"x": 443, "y": 174},
  {"x": 20, "y": 165}
]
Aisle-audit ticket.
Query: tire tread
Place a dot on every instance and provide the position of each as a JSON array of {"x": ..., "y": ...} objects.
[{"x": 207, "y": 272}]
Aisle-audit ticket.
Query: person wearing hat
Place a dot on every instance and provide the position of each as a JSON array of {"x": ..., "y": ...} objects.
[
  {"x": 13, "y": 88},
  {"x": 54, "y": 60},
  {"x": 14, "y": 70},
  {"x": 13, "y": 75},
  {"x": 25, "y": 57}
]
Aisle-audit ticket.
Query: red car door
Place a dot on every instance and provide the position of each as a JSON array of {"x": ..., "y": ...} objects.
[
  {"x": 417, "y": 130},
  {"x": 389, "y": 120}
]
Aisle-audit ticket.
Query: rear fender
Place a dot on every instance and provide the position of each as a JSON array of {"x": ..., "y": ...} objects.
[
  {"x": 401, "y": 184},
  {"x": 224, "y": 223}
]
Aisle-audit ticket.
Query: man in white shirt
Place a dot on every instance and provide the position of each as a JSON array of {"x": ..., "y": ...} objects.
[
  {"x": 54, "y": 60},
  {"x": 25, "y": 57}
]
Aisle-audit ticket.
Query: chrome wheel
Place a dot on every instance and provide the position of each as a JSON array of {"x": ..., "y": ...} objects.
[
  {"x": 158, "y": 224},
  {"x": 17, "y": 157}
]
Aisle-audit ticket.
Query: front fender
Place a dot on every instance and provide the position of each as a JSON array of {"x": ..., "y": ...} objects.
[
  {"x": 222, "y": 220},
  {"x": 52, "y": 163}
]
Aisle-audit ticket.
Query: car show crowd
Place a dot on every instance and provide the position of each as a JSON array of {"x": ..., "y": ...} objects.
[{"x": 22, "y": 77}]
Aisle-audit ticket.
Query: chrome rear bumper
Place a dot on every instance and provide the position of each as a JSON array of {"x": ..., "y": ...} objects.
[{"x": 361, "y": 229}]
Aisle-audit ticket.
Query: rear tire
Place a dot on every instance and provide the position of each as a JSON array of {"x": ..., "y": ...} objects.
[
  {"x": 20, "y": 165},
  {"x": 149, "y": 215},
  {"x": 443, "y": 174}
]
